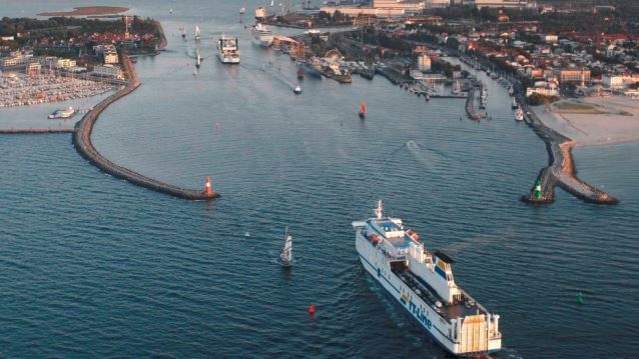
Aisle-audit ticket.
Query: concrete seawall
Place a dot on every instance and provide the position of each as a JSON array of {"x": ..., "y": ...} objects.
[
  {"x": 82, "y": 143},
  {"x": 561, "y": 169}
]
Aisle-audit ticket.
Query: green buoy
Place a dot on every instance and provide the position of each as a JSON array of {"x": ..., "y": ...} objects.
[{"x": 580, "y": 298}]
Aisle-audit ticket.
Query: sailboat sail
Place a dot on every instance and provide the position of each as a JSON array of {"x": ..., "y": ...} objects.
[
  {"x": 197, "y": 32},
  {"x": 286, "y": 256}
]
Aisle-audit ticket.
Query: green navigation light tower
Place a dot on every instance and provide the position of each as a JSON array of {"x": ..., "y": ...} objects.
[{"x": 538, "y": 189}]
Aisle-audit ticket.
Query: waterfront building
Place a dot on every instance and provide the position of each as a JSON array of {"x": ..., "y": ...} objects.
[
  {"x": 544, "y": 90},
  {"x": 611, "y": 81},
  {"x": 574, "y": 75},
  {"x": 437, "y": 3},
  {"x": 380, "y": 8},
  {"x": 424, "y": 63},
  {"x": 503, "y": 3},
  {"x": 106, "y": 53},
  {"x": 108, "y": 70}
]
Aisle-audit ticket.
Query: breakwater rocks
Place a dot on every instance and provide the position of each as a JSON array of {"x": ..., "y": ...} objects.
[
  {"x": 560, "y": 170},
  {"x": 13, "y": 131},
  {"x": 82, "y": 143}
]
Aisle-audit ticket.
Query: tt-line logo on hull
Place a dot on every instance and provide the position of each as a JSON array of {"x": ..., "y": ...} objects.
[{"x": 417, "y": 312}]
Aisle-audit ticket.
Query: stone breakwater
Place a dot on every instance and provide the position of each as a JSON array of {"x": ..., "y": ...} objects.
[
  {"x": 82, "y": 143},
  {"x": 561, "y": 169},
  {"x": 15, "y": 131}
]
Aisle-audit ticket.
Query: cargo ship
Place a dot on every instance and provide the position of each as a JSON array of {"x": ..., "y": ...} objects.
[{"x": 423, "y": 284}]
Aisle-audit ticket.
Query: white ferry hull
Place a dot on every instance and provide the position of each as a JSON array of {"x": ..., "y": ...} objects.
[
  {"x": 425, "y": 315},
  {"x": 263, "y": 41},
  {"x": 228, "y": 60}
]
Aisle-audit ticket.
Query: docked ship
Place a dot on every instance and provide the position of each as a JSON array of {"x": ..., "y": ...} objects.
[
  {"x": 514, "y": 104},
  {"x": 423, "y": 284},
  {"x": 228, "y": 50},
  {"x": 262, "y": 36},
  {"x": 519, "y": 114},
  {"x": 312, "y": 67},
  {"x": 64, "y": 114}
]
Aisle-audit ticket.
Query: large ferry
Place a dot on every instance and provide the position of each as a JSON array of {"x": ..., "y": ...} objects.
[
  {"x": 262, "y": 36},
  {"x": 423, "y": 283},
  {"x": 228, "y": 50}
]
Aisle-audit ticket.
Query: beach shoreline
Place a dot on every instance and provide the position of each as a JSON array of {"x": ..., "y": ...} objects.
[
  {"x": 88, "y": 11},
  {"x": 614, "y": 120}
]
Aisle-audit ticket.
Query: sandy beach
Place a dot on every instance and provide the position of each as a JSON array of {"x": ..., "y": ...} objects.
[
  {"x": 593, "y": 121},
  {"x": 88, "y": 11}
]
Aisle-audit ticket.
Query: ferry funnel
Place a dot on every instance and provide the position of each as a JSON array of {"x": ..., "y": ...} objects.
[{"x": 207, "y": 190}]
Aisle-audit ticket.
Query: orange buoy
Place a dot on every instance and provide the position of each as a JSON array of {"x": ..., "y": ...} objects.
[
  {"x": 207, "y": 190},
  {"x": 311, "y": 309}
]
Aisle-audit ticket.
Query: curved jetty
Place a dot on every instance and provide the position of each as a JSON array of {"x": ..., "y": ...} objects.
[
  {"x": 13, "y": 131},
  {"x": 82, "y": 143},
  {"x": 560, "y": 170}
]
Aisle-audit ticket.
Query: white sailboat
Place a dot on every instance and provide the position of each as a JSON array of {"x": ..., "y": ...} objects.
[
  {"x": 197, "y": 33},
  {"x": 198, "y": 58},
  {"x": 286, "y": 255}
]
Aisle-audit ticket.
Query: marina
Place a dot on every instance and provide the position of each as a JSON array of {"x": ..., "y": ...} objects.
[{"x": 17, "y": 89}]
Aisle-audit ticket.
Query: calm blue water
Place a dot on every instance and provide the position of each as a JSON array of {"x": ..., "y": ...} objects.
[{"x": 92, "y": 266}]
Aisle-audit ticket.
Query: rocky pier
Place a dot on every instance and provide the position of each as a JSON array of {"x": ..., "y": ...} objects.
[{"x": 82, "y": 143}]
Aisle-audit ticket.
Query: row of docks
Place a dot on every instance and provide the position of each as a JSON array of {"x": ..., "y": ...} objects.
[{"x": 21, "y": 90}]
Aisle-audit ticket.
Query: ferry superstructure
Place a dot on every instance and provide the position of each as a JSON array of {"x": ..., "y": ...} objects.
[
  {"x": 228, "y": 50},
  {"x": 423, "y": 284},
  {"x": 262, "y": 36}
]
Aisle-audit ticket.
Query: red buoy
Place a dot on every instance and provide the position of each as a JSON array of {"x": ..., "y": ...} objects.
[{"x": 311, "y": 309}]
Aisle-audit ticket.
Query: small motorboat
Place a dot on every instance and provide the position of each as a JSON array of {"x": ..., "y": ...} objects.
[{"x": 297, "y": 90}]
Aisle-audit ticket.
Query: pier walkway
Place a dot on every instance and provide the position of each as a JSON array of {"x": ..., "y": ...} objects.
[{"x": 82, "y": 143}]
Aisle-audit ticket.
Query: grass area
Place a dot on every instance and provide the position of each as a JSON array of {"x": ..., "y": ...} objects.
[
  {"x": 569, "y": 105},
  {"x": 578, "y": 107}
]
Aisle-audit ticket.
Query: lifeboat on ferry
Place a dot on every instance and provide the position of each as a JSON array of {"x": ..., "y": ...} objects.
[
  {"x": 374, "y": 238},
  {"x": 414, "y": 236}
]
